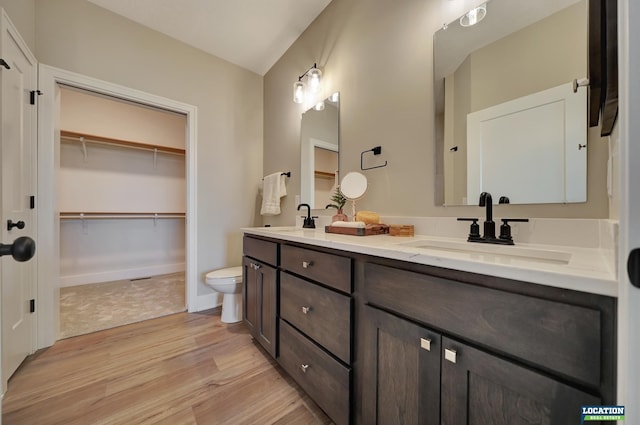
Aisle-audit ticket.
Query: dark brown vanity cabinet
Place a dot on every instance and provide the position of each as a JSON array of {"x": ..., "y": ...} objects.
[
  {"x": 441, "y": 351},
  {"x": 316, "y": 326},
  {"x": 401, "y": 380},
  {"x": 260, "y": 295}
]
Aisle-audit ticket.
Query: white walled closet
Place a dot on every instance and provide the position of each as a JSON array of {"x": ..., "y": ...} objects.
[{"x": 122, "y": 189}]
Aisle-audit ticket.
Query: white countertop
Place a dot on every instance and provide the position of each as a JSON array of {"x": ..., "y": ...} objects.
[{"x": 588, "y": 269}]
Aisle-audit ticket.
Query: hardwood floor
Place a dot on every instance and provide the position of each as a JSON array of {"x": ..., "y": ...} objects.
[{"x": 183, "y": 369}]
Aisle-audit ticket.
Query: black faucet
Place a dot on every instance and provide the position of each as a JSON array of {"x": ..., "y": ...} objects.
[
  {"x": 309, "y": 222},
  {"x": 489, "y": 226}
]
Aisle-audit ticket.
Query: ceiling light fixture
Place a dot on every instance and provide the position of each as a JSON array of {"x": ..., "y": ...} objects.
[
  {"x": 474, "y": 16},
  {"x": 314, "y": 78}
]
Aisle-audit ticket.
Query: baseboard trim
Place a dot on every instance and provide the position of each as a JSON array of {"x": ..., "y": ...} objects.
[
  {"x": 140, "y": 272},
  {"x": 205, "y": 302}
]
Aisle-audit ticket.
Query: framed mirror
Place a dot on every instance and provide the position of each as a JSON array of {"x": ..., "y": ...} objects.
[
  {"x": 319, "y": 152},
  {"x": 511, "y": 105}
]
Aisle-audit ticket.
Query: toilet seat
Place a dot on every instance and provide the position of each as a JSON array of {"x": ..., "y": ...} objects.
[{"x": 229, "y": 275}]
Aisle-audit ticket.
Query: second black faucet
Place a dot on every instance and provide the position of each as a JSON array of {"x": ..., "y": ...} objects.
[{"x": 489, "y": 225}]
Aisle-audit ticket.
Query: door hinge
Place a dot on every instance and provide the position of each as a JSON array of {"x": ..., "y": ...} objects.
[
  {"x": 4, "y": 63},
  {"x": 32, "y": 306},
  {"x": 32, "y": 202},
  {"x": 33, "y": 96}
]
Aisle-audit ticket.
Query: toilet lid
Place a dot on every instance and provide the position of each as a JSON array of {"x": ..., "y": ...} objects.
[{"x": 230, "y": 273}]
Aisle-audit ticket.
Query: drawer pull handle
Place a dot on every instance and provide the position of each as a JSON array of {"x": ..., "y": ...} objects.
[
  {"x": 306, "y": 310},
  {"x": 304, "y": 368},
  {"x": 450, "y": 355},
  {"x": 425, "y": 344},
  {"x": 307, "y": 264},
  {"x": 255, "y": 266}
]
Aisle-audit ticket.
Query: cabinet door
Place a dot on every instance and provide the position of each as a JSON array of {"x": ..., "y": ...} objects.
[
  {"x": 401, "y": 379},
  {"x": 250, "y": 293},
  {"x": 260, "y": 302},
  {"x": 479, "y": 388}
]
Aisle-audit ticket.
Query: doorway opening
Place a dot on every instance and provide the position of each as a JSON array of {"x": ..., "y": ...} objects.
[
  {"x": 56, "y": 212},
  {"x": 122, "y": 206}
]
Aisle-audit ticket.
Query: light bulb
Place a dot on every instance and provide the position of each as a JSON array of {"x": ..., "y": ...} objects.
[
  {"x": 319, "y": 106},
  {"x": 474, "y": 16},
  {"x": 313, "y": 77},
  {"x": 298, "y": 92},
  {"x": 335, "y": 97}
]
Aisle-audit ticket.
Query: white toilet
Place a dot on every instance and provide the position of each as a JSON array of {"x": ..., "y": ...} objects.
[{"x": 229, "y": 283}]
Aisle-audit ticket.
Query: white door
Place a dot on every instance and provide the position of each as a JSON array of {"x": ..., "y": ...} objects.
[
  {"x": 629, "y": 295},
  {"x": 17, "y": 144}
]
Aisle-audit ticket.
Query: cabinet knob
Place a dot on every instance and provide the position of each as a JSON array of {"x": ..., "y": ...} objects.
[
  {"x": 306, "y": 310},
  {"x": 450, "y": 355},
  {"x": 255, "y": 266},
  {"x": 307, "y": 264},
  {"x": 425, "y": 344},
  {"x": 304, "y": 367}
]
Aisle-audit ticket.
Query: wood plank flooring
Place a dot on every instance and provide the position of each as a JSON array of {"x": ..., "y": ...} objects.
[{"x": 183, "y": 369}]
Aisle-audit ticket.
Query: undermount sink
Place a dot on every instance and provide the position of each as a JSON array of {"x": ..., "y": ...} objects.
[{"x": 496, "y": 251}]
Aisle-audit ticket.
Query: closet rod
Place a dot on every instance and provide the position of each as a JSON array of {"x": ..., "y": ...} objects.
[{"x": 79, "y": 137}]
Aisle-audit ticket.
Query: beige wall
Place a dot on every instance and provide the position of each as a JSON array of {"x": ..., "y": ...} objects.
[
  {"x": 78, "y": 36},
  {"x": 378, "y": 54},
  {"x": 22, "y": 14},
  {"x": 91, "y": 114}
]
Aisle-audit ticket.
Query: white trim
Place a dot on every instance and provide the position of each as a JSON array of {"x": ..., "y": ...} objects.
[
  {"x": 628, "y": 129},
  {"x": 206, "y": 302},
  {"x": 112, "y": 275},
  {"x": 307, "y": 179},
  {"x": 48, "y": 211}
]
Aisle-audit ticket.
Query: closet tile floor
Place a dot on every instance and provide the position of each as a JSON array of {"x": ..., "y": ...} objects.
[{"x": 89, "y": 308}]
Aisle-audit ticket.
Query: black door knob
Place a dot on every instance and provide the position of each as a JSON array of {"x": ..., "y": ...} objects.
[
  {"x": 11, "y": 224},
  {"x": 22, "y": 249}
]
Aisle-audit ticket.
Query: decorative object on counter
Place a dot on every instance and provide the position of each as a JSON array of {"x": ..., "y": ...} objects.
[
  {"x": 401, "y": 230},
  {"x": 309, "y": 222},
  {"x": 338, "y": 203},
  {"x": 302, "y": 91},
  {"x": 368, "y": 217},
  {"x": 356, "y": 228},
  {"x": 353, "y": 187},
  {"x": 376, "y": 151},
  {"x": 273, "y": 188}
]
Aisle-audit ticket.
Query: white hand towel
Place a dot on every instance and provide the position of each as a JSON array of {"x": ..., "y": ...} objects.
[{"x": 273, "y": 188}]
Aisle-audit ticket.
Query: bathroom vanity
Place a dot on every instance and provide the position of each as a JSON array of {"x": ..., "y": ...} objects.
[{"x": 381, "y": 330}]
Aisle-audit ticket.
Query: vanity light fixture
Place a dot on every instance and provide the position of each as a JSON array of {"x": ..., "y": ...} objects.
[
  {"x": 474, "y": 16},
  {"x": 298, "y": 91},
  {"x": 314, "y": 77}
]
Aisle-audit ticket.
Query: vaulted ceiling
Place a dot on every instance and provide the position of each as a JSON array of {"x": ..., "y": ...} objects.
[{"x": 250, "y": 33}]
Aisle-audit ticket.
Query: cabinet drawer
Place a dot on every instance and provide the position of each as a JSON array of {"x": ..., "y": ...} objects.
[
  {"x": 260, "y": 250},
  {"x": 563, "y": 338},
  {"x": 325, "y": 380},
  {"x": 329, "y": 269},
  {"x": 322, "y": 314}
]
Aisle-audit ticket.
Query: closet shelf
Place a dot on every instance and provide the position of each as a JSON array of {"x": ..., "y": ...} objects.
[
  {"x": 82, "y": 137},
  {"x": 117, "y": 215},
  {"x": 324, "y": 175}
]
